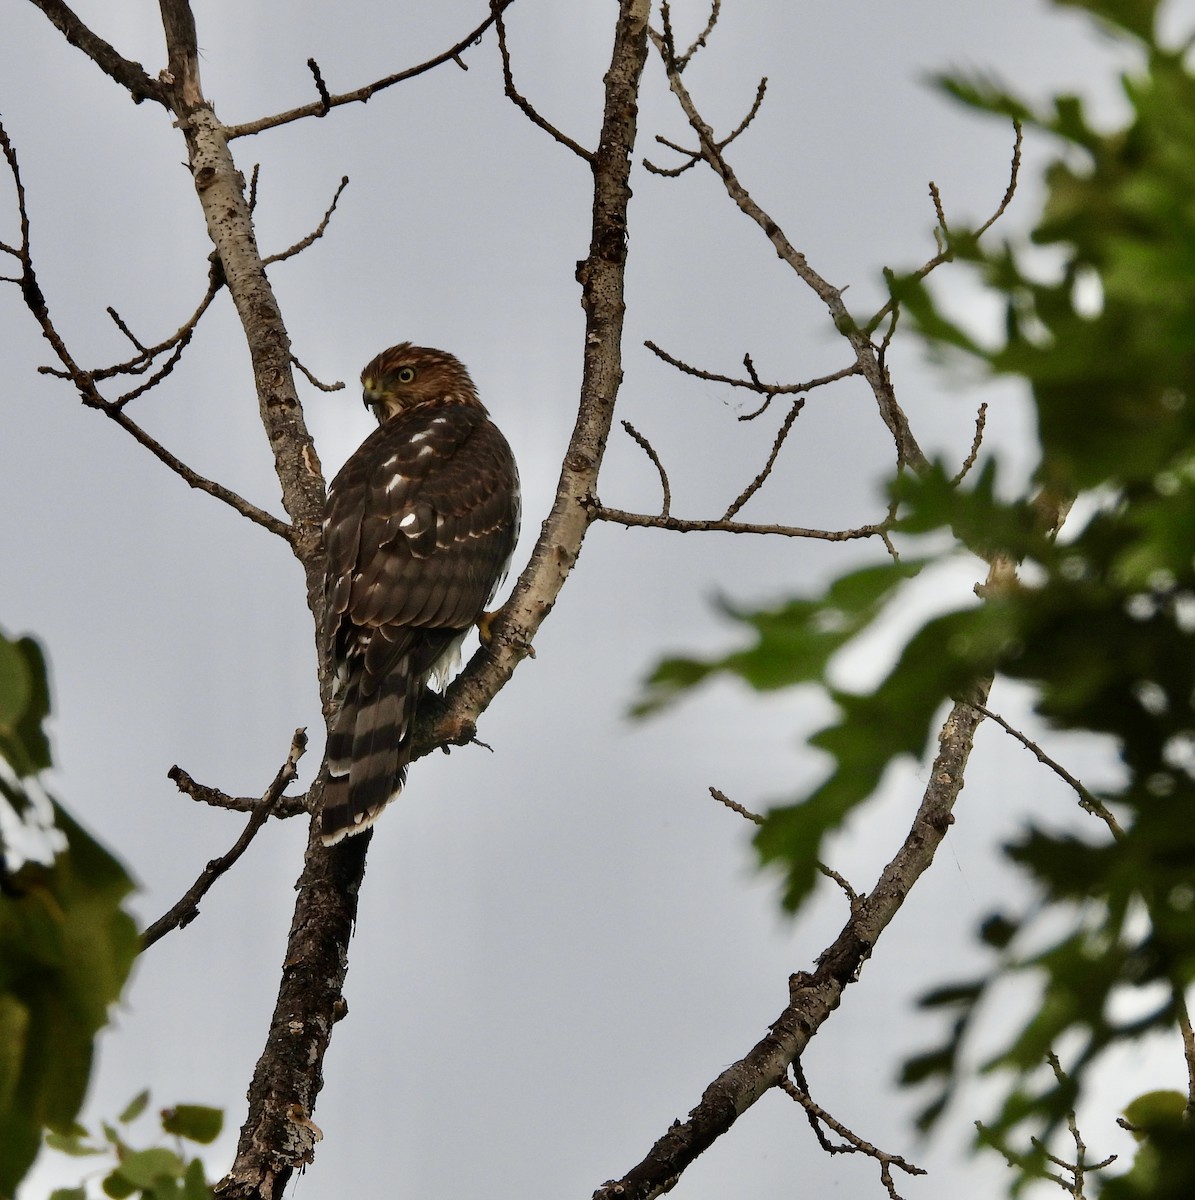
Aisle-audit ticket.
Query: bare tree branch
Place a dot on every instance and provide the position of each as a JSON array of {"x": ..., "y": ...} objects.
[
  {"x": 84, "y": 381},
  {"x": 649, "y": 450},
  {"x": 976, "y": 442},
  {"x": 285, "y": 806},
  {"x": 1087, "y": 801},
  {"x": 907, "y": 450},
  {"x": 130, "y": 75},
  {"x": 314, "y": 235},
  {"x": 758, "y": 482},
  {"x": 754, "y": 384},
  {"x": 520, "y": 101},
  {"x": 361, "y": 95},
  {"x": 257, "y": 515},
  {"x": 814, "y": 995},
  {"x": 601, "y": 512},
  {"x": 942, "y": 232},
  {"x": 187, "y": 909},
  {"x": 734, "y": 806},
  {"x": 852, "y": 1143}
]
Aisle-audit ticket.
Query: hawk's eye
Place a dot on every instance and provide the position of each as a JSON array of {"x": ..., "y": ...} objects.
[{"x": 405, "y": 374}]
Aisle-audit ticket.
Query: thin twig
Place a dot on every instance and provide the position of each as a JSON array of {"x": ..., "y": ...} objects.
[
  {"x": 521, "y": 102},
  {"x": 287, "y": 806},
  {"x": 1078, "y": 1169},
  {"x": 257, "y": 515},
  {"x": 187, "y": 908},
  {"x": 129, "y": 74},
  {"x": 600, "y": 512},
  {"x": 84, "y": 381},
  {"x": 945, "y": 253},
  {"x": 852, "y": 896},
  {"x": 314, "y": 235},
  {"x": 852, "y": 1143},
  {"x": 1010, "y": 191},
  {"x": 761, "y": 478},
  {"x": 362, "y": 94},
  {"x": 908, "y": 452},
  {"x": 649, "y": 450},
  {"x": 1087, "y": 801},
  {"x": 316, "y": 383},
  {"x": 699, "y": 42},
  {"x": 735, "y": 806},
  {"x": 753, "y": 384},
  {"x": 980, "y": 421},
  {"x": 321, "y": 87},
  {"x": 694, "y": 156}
]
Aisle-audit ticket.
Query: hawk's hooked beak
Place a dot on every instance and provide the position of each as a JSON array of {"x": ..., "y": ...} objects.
[{"x": 372, "y": 399}]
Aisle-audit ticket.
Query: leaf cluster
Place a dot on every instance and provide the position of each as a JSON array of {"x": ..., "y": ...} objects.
[
  {"x": 66, "y": 942},
  {"x": 153, "y": 1173}
]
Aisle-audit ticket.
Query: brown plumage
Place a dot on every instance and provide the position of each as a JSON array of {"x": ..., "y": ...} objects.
[{"x": 420, "y": 525}]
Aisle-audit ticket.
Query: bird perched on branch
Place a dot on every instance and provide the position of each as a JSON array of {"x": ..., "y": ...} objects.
[{"x": 420, "y": 526}]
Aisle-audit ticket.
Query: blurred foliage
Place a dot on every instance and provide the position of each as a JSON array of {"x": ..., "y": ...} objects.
[
  {"x": 66, "y": 943},
  {"x": 154, "y": 1173},
  {"x": 1099, "y": 321}
]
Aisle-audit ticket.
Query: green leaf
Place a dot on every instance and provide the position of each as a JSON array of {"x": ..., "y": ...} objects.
[
  {"x": 193, "y": 1121},
  {"x": 1134, "y": 16},
  {"x": 143, "y": 1167},
  {"x": 117, "y": 1186},
  {"x": 79, "y": 1193},
  {"x": 195, "y": 1186},
  {"x": 72, "y": 1144},
  {"x": 135, "y": 1107},
  {"x": 1152, "y": 1111},
  {"x": 24, "y": 706},
  {"x": 793, "y": 643}
]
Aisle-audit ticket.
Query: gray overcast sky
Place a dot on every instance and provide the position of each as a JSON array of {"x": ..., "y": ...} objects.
[{"x": 562, "y": 942}]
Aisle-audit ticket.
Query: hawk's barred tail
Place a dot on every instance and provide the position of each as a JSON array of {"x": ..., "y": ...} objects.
[{"x": 368, "y": 751}]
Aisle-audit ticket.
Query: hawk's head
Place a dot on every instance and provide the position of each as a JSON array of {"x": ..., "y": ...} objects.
[{"x": 406, "y": 377}]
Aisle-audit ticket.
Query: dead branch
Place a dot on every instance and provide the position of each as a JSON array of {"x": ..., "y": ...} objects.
[
  {"x": 908, "y": 452},
  {"x": 187, "y": 908},
  {"x": 942, "y": 232},
  {"x": 284, "y": 806},
  {"x": 314, "y": 235},
  {"x": 520, "y": 101},
  {"x": 814, "y": 995},
  {"x": 699, "y": 42},
  {"x": 976, "y": 442},
  {"x": 338, "y": 386},
  {"x": 146, "y": 355},
  {"x": 130, "y": 75},
  {"x": 84, "y": 381},
  {"x": 649, "y": 450},
  {"x": 601, "y": 512},
  {"x": 361, "y": 95},
  {"x": 694, "y": 156},
  {"x": 852, "y": 1143},
  {"x": 754, "y": 384},
  {"x": 1079, "y": 1169},
  {"x": 1087, "y": 801},
  {"x": 734, "y": 806},
  {"x": 193, "y": 479},
  {"x": 761, "y": 478}
]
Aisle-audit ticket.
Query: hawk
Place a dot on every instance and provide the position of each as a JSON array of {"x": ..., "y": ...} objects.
[{"x": 420, "y": 526}]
